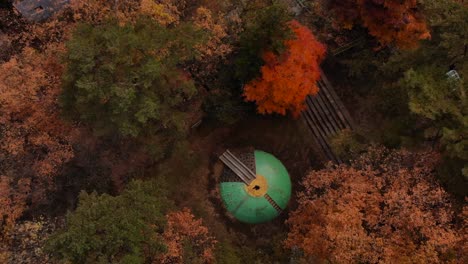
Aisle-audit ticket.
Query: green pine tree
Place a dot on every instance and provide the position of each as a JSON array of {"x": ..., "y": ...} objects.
[
  {"x": 265, "y": 29},
  {"x": 114, "y": 229},
  {"x": 126, "y": 79}
]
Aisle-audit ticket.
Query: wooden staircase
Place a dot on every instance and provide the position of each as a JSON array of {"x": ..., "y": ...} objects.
[{"x": 326, "y": 116}]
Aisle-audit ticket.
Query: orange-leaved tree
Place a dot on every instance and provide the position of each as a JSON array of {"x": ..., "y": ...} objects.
[
  {"x": 386, "y": 207},
  {"x": 35, "y": 143},
  {"x": 289, "y": 77},
  {"x": 184, "y": 232},
  {"x": 397, "y": 22}
]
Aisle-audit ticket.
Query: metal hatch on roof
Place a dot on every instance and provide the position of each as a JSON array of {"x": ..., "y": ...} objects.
[{"x": 39, "y": 10}]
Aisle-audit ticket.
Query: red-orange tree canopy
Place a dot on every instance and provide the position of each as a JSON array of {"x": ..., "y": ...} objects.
[{"x": 288, "y": 78}]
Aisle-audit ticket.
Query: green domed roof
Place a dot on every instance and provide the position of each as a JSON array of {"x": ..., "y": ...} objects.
[{"x": 256, "y": 203}]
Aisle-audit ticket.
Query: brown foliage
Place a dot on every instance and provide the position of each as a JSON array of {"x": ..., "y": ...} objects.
[
  {"x": 97, "y": 11},
  {"x": 182, "y": 227},
  {"x": 287, "y": 79},
  {"x": 384, "y": 208},
  {"x": 12, "y": 200},
  {"x": 391, "y": 22},
  {"x": 214, "y": 46},
  {"x": 35, "y": 142},
  {"x": 24, "y": 237}
]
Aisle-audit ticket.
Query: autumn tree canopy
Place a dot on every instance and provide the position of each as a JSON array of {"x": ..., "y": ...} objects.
[
  {"x": 187, "y": 240},
  {"x": 386, "y": 207},
  {"x": 390, "y": 22},
  {"x": 35, "y": 143},
  {"x": 289, "y": 77}
]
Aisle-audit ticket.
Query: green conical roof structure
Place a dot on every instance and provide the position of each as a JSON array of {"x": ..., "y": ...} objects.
[{"x": 265, "y": 197}]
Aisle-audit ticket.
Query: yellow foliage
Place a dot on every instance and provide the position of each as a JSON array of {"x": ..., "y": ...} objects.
[
  {"x": 214, "y": 46},
  {"x": 97, "y": 11},
  {"x": 165, "y": 14}
]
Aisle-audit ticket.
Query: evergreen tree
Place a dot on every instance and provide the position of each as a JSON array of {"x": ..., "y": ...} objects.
[
  {"x": 120, "y": 229},
  {"x": 442, "y": 101},
  {"x": 431, "y": 93},
  {"x": 126, "y": 79},
  {"x": 265, "y": 29}
]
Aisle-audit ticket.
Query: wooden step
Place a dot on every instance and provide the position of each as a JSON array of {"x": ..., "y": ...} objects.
[
  {"x": 330, "y": 91},
  {"x": 319, "y": 135},
  {"x": 326, "y": 116}
]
